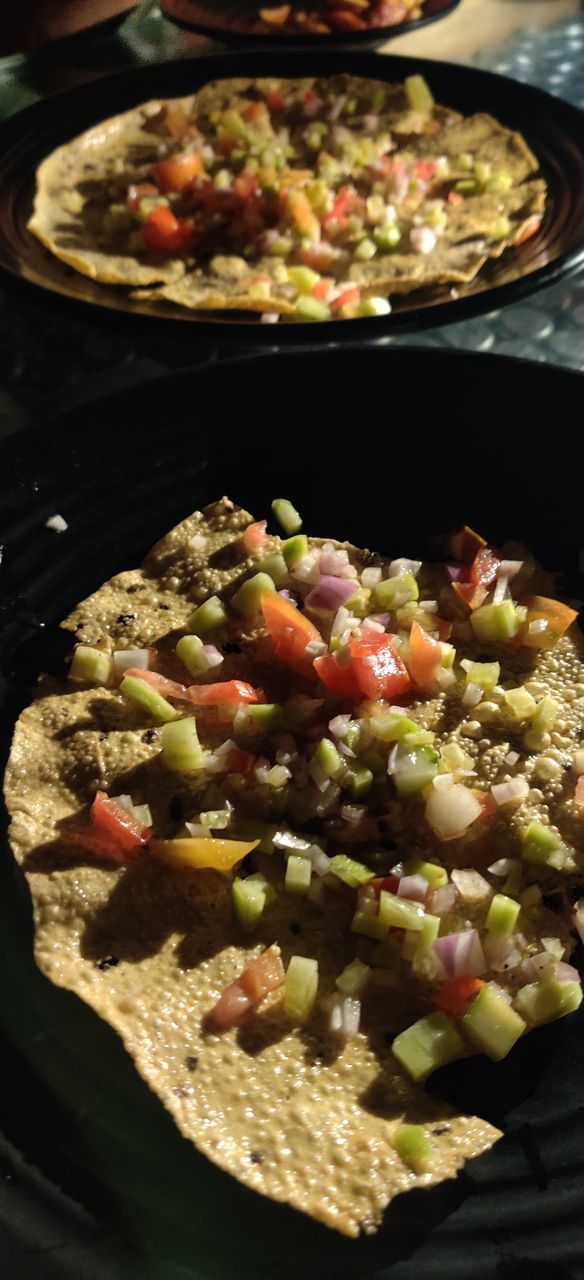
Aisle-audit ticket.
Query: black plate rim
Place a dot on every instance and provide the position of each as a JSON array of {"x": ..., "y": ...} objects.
[
  {"x": 125, "y": 86},
  {"x": 370, "y": 39}
]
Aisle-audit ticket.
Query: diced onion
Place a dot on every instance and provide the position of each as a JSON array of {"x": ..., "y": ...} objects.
[
  {"x": 501, "y": 590},
  {"x": 398, "y": 567},
  {"x": 501, "y": 953},
  {"x": 502, "y": 867},
  {"x": 413, "y": 887},
  {"x": 472, "y": 695},
  {"x": 141, "y": 812},
  {"x": 354, "y": 813},
  {"x": 450, "y": 813},
  {"x": 329, "y": 594},
  {"x": 57, "y": 523},
  {"x": 198, "y": 542},
  {"x": 511, "y": 792},
  {"x": 509, "y": 569},
  {"x": 315, "y": 648},
  {"x": 443, "y": 900},
  {"x": 443, "y": 781},
  {"x": 370, "y": 577},
  {"x": 212, "y": 655},
  {"x": 566, "y": 972},
  {"x": 285, "y": 839},
  {"x": 124, "y": 659},
  {"x": 460, "y": 953},
  {"x": 471, "y": 885},
  {"x": 339, "y": 724},
  {"x": 197, "y": 830},
  {"x": 345, "y": 1016},
  {"x": 332, "y": 560},
  {"x": 321, "y": 863},
  {"x": 500, "y": 992},
  {"x": 511, "y": 758}
]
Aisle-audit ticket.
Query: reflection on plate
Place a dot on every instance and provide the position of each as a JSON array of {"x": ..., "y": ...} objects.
[
  {"x": 79, "y": 1127},
  {"x": 234, "y": 22},
  {"x": 553, "y": 129}
]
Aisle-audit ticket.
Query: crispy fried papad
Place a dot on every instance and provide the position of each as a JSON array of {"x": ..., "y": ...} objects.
[
  {"x": 80, "y": 182},
  {"x": 289, "y": 1112}
]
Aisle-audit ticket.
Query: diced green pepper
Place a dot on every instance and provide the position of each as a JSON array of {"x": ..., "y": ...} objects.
[
  {"x": 181, "y": 748},
  {"x": 371, "y": 926},
  {"x": 501, "y": 181},
  {"x": 547, "y": 1000},
  {"x": 268, "y": 716},
  {"x": 415, "y": 771},
  {"x": 400, "y": 913},
  {"x": 429, "y": 1043},
  {"x": 539, "y": 843},
  {"x": 418, "y": 94},
  {"x": 276, "y": 568},
  {"x": 521, "y": 702},
  {"x": 435, "y": 875},
  {"x": 249, "y": 899},
  {"x": 309, "y": 308},
  {"x": 247, "y": 600},
  {"x": 412, "y": 1146},
  {"x": 499, "y": 229},
  {"x": 287, "y": 516},
  {"x": 485, "y": 674},
  {"x": 545, "y": 715},
  {"x": 303, "y": 278},
  {"x": 423, "y": 941},
  {"x": 357, "y": 782},
  {"x": 452, "y": 757},
  {"x": 360, "y": 603},
  {"x": 349, "y": 871},
  {"x": 494, "y": 622},
  {"x": 391, "y": 593},
  {"x": 92, "y": 665},
  {"x": 372, "y": 307},
  {"x": 502, "y": 915},
  {"x": 365, "y": 250},
  {"x": 300, "y": 987},
  {"x": 466, "y": 187},
  {"x": 387, "y": 237},
  {"x": 215, "y": 819},
  {"x": 148, "y": 699},
  {"x": 353, "y": 978},
  {"x": 207, "y": 617},
  {"x": 492, "y": 1025},
  {"x": 389, "y": 727},
  {"x": 190, "y": 651},
  {"x": 482, "y": 171},
  {"x": 294, "y": 549},
  {"x": 514, "y": 882},
  {"x": 298, "y": 874},
  {"x": 327, "y": 757}
]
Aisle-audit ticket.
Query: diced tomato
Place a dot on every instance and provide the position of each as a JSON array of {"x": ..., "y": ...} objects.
[
  {"x": 389, "y": 884},
  {"x": 579, "y": 793},
  {"x": 343, "y": 202},
  {"x": 454, "y": 198},
  {"x": 339, "y": 679},
  {"x": 261, "y": 976},
  {"x": 254, "y": 536},
  {"x": 118, "y": 833},
  {"x": 310, "y": 98},
  {"x": 254, "y": 112},
  {"x": 486, "y": 801},
  {"x": 240, "y": 761},
  {"x": 483, "y": 570},
  {"x": 424, "y": 658},
  {"x": 557, "y": 615},
  {"x": 425, "y": 169},
  {"x": 454, "y": 995},
  {"x": 290, "y": 631},
  {"x": 469, "y": 594},
  {"x": 530, "y": 228},
  {"x": 349, "y": 297},
  {"x": 301, "y": 213},
  {"x": 138, "y": 191},
  {"x": 246, "y": 185},
  {"x": 379, "y": 670},
  {"x": 322, "y": 289},
  {"x": 174, "y": 173},
  {"x": 214, "y": 695},
  {"x": 163, "y": 233},
  {"x": 168, "y": 688},
  {"x": 319, "y": 258},
  {"x": 465, "y": 544},
  {"x": 274, "y": 100}
]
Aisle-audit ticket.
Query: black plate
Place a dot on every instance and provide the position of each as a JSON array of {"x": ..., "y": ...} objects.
[
  {"x": 554, "y": 129},
  {"x": 95, "y": 1173},
  {"x": 229, "y": 21}
]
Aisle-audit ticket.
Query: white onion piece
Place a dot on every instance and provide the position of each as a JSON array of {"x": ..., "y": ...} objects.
[
  {"x": 285, "y": 839},
  {"x": 370, "y": 577},
  {"x": 554, "y": 945},
  {"x": 413, "y": 887},
  {"x": 472, "y": 695},
  {"x": 471, "y": 885},
  {"x": 443, "y": 900},
  {"x": 198, "y": 542},
  {"x": 141, "y": 812},
  {"x": 321, "y": 863},
  {"x": 501, "y": 953},
  {"x": 339, "y": 725},
  {"x": 445, "y": 678},
  {"x": 511, "y": 757},
  {"x": 501, "y": 590},
  {"x": 392, "y": 760},
  {"x": 509, "y": 569},
  {"x": 345, "y": 1016},
  {"x": 512, "y": 792},
  {"x": 212, "y": 655},
  {"x": 307, "y": 569},
  {"x": 328, "y": 801},
  {"x": 57, "y": 523},
  {"x": 578, "y": 761},
  {"x": 397, "y": 568},
  {"x": 382, "y": 619},
  {"x": 460, "y": 953},
  {"x": 450, "y": 813},
  {"x": 428, "y": 606},
  {"x": 332, "y": 560},
  {"x": 578, "y": 917},
  {"x": 269, "y": 317},
  {"x": 370, "y": 624},
  {"x": 502, "y": 867},
  {"x": 535, "y": 967},
  {"x": 197, "y": 830},
  {"x": 123, "y": 659},
  {"x": 353, "y": 813},
  {"x": 443, "y": 781},
  {"x": 216, "y": 762},
  {"x": 315, "y": 648},
  {"x": 566, "y": 972}
]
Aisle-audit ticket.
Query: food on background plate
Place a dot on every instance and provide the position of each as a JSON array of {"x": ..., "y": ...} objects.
[
  {"x": 311, "y": 199},
  {"x": 347, "y": 16},
  {"x": 304, "y": 824}
]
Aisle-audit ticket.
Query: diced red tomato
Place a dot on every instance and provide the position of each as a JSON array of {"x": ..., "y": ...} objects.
[
  {"x": 530, "y": 228},
  {"x": 454, "y": 198},
  {"x": 379, "y": 670},
  {"x": 349, "y": 297},
  {"x": 454, "y": 995},
  {"x": 240, "y": 761},
  {"x": 163, "y": 233},
  {"x": 388, "y": 883},
  {"x": 246, "y": 185},
  {"x": 469, "y": 594},
  {"x": 274, "y": 100},
  {"x": 254, "y": 536},
  {"x": 322, "y": 289},
  {"x": 174, "y": 173},
  {"x": 425, "y": 169},
  {"x": 339, "y": 679},
  {"x": 424, "y": 658},
  {"x": 168, "y": 688},
  {"x": 290, "y": 631},
  {"x": 255, "y": 112},
  {"x": 465, "y": 544},
  {"x": 483, "y": 570},
  {"x": 261, "y": 976},
  {"x": 119, "y": 834},
  {"x": 138, "y": 191},
  {"x": 346, "y": 200},
  {"x": 300, "y": 212},
  {"x": 214, "y": 695},
  {"x": 486, "y": 801}
]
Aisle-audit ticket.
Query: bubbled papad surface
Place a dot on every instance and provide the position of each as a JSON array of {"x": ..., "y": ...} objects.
[{"x": 287, "y": 1111}]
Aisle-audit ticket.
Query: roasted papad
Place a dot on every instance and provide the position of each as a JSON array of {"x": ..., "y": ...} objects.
[
  {"x": 272, "y": 194},
  {"x": 295, "y": 1112}
]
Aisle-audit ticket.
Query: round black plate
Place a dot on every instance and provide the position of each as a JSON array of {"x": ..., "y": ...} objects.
[
  {"x": 229, "y": 21},
  {"x": 97, "y": 1181},
  {"x": 554, "y": 129}
]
